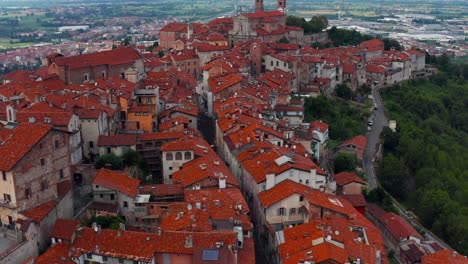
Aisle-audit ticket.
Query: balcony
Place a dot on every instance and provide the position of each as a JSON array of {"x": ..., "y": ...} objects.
[
  {"x": 7, "y": 204},
  {"x": 140, "y": 211}
]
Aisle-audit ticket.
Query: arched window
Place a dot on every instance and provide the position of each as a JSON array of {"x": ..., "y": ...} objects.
[
  {"x": 169, "y": 156},
  {"x": 187, "y": 155},
  {"x": 282, "y": 211},
  {"x": 178, "y": 156}
]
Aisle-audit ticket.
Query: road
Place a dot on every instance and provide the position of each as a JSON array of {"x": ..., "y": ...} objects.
[
  {"x": 373, "y": 142},
  {"x": 373, "y": 137}
]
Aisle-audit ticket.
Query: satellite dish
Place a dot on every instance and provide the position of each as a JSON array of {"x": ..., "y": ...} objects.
[{"x": 189, "y": 207}]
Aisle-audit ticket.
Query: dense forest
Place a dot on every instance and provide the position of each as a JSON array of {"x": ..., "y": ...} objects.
[{"x": 425, "y": 164}]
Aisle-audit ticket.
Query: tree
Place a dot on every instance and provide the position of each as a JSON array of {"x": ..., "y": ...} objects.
[
  {"x": 283, "y": 40},
  {"x": 116, "y": 162},
  {"x": 343, "y": 91},
  {"x": 390, "y": 140},
  {"x": 344, "y": 162},
  {"x": 393, "y": 177}
]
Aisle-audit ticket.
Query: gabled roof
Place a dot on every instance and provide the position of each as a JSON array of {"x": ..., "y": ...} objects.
[
  {"x": 444, "y": 256},
  {"x": 174, "y": 27},
  {"x": 288, "y": 187},
  {"x": 39, "y": 212},
  {"x": 318, "y": 125},
  {"x": 344, "y": 178},
  {"x": 17, "y": 142},
  {"x": 122, "y": 55},
  {"x": 118, "y": 181},
  {"x": 399, "y": 227},
  {"x": 64, "y": 229},
  {"x": 141, "y": 246},
  {"x": 58, "y": 253},
  {"x": 358, "y": 141}
]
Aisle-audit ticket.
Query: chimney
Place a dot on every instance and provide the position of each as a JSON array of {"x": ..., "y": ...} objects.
[
  {"x": 189, "y": 242},
  {"x": 159, "y": 231},
  {"x": 222, "y": 182}
]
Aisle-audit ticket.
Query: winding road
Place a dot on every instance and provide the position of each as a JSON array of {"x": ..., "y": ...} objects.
[{"x": 373, "y": 142}]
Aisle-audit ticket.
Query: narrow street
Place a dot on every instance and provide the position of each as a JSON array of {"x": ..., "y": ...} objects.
[{"x": 373, "y": 138}]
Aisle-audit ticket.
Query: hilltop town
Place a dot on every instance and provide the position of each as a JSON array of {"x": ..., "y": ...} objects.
[{"x": 197, "y": 151}]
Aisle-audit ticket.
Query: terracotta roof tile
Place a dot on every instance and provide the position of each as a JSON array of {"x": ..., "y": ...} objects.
[
  {"x": 344, "y": 178},
  {"x": 444, "y": 256},
  {"x": 399, "y": 227},
  {"x": 117, "y": 181},
  {"x": 161, "y": 190},
  {"x": 17, "y": 142},
  {"x": 39, "y": 212},
  {"x": 112, "y": 57},
  {"x": 58, "y": 253},
  {"x": 64, "y": 229},
  {"x": 161, "y": 136}
]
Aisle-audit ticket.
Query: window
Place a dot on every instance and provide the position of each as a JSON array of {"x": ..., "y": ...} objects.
[
  {"x": 91, "y": 144},
  {"x": 27, "y": 193},
  {"x": 4, "y": 175},
  {"x": 7, "y": 197},
  {"x": 178, "y": 156},
  {"x": 301, "y": 198},
  {"x": 277, "y": 63},
  {"x": 103, "y": 74},
  {"x": 307, "y": 181},
  {"x": 170, "y": 168},
  {"x": 125, "y": 204},
  {"x": 40, "y": 145},
  {"x": 301, "y": 210},
  {"x": 282, "y": 211},
  {"x": 44, "y": 185},
  {"x": 97, "y": 186},
  {"x": 169, "y": 156},
  {"x": 145, "y": 114},
  {"x": 121, "y": 261},
  {"x": 104, "y": 258},
  {"x": 89, "y": 256},
  {"x": 56, "y": 143},
  {"x": 292, "y": 211},
  {"x": 42, "y": 162},
  {"x": 112, "y": 197},
  {"x": 187, "y": 155},
  {"x": 271, "y": 63},
  {"x": 101, "y": 196},
  {"x": 61, "y": 174},
  {"x": 137, "y": 114},
  {"x": 86, "y": 77}
]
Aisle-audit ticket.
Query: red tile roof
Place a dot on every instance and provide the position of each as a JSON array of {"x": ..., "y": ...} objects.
[
  {"x": 318, "y": 125},
  {"x": 142, "y": 246},
  {"x": 445, "y": 256},
  {"x": 288, "y": 187},
  {"x": 117, "y": 181},
  {"x": 174, "y": 27},
  {"x": 64, "y": 229},
  {"x": 358, "y": 141},
  {"x": 39, "y": 212},
  {"x": 58, "y": 253},
  {"x": 17, "y": 142},
  {"x": 161, "y": 190},
  {"x": 218, "y": 84},
  {"x": 375, "y": 68},
  {"x": 122, "y": 55},
  {"x": 399, "y": 227},
  {"x": 117, "y": 140},
  {"x": 344, "y": 178},
  {"x": 357, "y": 200}
]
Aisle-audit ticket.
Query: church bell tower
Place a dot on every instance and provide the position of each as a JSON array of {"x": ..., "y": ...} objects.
[{"x": 258, "y": 6}]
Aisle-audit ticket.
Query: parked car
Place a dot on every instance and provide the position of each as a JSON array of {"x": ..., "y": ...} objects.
[
  {"x": 370, "y": 123},
  {"x": 369, "y": 128}
]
